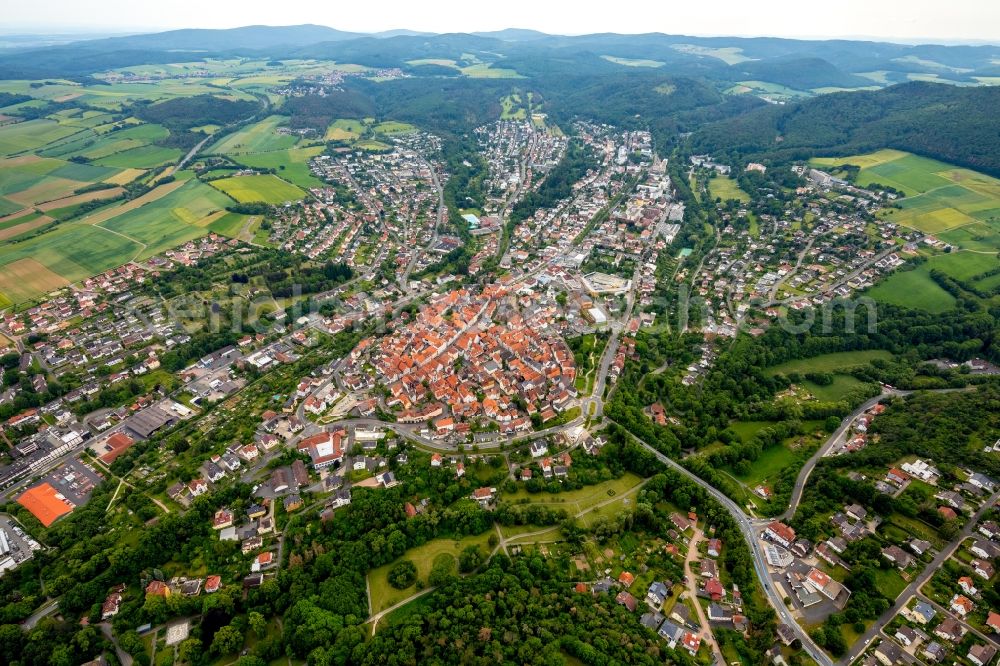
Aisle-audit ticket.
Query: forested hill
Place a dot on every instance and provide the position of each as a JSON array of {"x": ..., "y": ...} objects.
[{"x": 949, "y": 123}]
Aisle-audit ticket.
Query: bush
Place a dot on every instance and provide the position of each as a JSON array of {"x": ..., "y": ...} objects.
[{"x": 403, "y": 575}]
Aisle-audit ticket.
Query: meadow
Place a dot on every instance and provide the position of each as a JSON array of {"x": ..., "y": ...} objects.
[
  {"x": 384, "y": 595},
  {"x": 727, "y": 188},
  {"x": 345, "y": 129},
  {"x": 915, "y": 288},
  {"x": 267, "y": 188},
  {"x": 960, "y": 206},
  {"x": 256, "y": 138},
  {"x": 833, "y": 362},
  {"x": 292, "y": 164}
]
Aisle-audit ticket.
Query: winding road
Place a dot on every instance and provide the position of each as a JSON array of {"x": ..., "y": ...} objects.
[{"x": 760, "y": 565}]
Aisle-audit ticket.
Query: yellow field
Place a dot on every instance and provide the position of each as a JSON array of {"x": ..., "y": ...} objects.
[
  {"x": 344, "y": 129},
  {"x": 126, "y": 176},
  {"x": 80, "y": 198},
  {"x": 863, "y": 161},
  {"x": 26, "y": 278}
]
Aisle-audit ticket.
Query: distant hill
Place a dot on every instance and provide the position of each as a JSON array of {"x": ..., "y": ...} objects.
[
  {"x": 249, "y": 37},
  {"x": 798, "y": 64},
  {"x": 797, "y": 73},
  {"x": 949, "y": 123},
  {"x": 513, "y": 35}
]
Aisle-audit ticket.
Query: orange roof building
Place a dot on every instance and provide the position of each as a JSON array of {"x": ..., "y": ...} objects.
[
  {"x": 45, "y": 503},
  {"x": 116, "y": 445}
]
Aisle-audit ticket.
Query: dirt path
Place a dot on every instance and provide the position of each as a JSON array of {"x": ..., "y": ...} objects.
[{"x": 692, "y": 587}]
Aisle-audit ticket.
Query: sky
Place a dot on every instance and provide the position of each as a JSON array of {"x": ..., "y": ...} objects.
[{"x": 901, "y": 20}]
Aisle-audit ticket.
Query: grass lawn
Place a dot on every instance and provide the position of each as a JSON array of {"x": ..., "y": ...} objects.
[
  {"x": 575, "y": 501},
  {"x": 384, "y": 595},
  {"x": 747, "y": 429},
  {"x": 889, "y": 582},
  {"x": 267, "y": 188},
  {"x": 842, "y": 385},
  {"x": 768, "y": 465},
  {"x": 727, "y": 188},
  {"x": 834, "y": 362}
]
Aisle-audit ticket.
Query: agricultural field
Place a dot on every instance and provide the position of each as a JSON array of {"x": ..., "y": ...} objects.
[
  {"x": 292, "y": 164},
  {"x": 960, "y": 206},
  {"x": 915, "y": 288},
  {"x": 384, "y": 595},
  {"x": 267, "y": 188},
  {"x": 727, "y": 188},
  {"x": 345, "y": 129},
  {"x": 256, "y": 138},
  {"x": 66, "y": 254},
  {"x": 176, "y": 218},
  {"x": 731, "y": 55}
]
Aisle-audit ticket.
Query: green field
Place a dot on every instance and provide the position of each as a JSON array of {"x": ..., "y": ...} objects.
[
  {"x": 384, "y": 595},
  {"x": 292, "y": 164},
  {"x": 256, "y": 138},
  {"x": 834, "y": 362},
  {"x": 841, "y": 387},
  {"x": 143, "y": 157},
  {"x": 267, "y": 188},
  {"x": 65, "y": 254},
  {"x": 727, "y": 188},
  {"x": 170, "y": 220},
  {"x": 393, "y": 127},
  {"x": 768, "y": 466},
  {"x": 32, "y": 135},
  {"x": 959, "y": 204},
  {"x": 511, "y": 108},
  {"x": 916, "y": 289},
  {"x": 229, "y": 224},
  {"x": 345, "y": 129},
  {"x": 576, "y": 501}
]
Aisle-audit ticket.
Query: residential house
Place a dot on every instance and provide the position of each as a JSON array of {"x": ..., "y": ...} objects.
[{"x": 981, "y": 655}]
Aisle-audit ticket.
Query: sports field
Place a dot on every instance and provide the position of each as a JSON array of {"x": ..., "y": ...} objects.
[
  {"x": 959, "y": 205},
  {"x": 267, "y": 188}
]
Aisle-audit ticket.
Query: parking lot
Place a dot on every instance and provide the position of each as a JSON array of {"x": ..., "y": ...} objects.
[{"x": 21, "y": 545}]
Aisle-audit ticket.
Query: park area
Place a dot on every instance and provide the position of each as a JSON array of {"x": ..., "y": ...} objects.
[
  {"x": 383, "y": 595},
  {"x": 727, "y": 188}
]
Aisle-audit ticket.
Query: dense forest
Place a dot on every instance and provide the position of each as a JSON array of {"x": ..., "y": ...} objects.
[{"x": 955, "y": 125}]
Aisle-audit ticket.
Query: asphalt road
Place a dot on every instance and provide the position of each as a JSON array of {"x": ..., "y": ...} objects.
[
  {"x": 914, "y": 587},
  {"x": 760, "y": 564}
]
